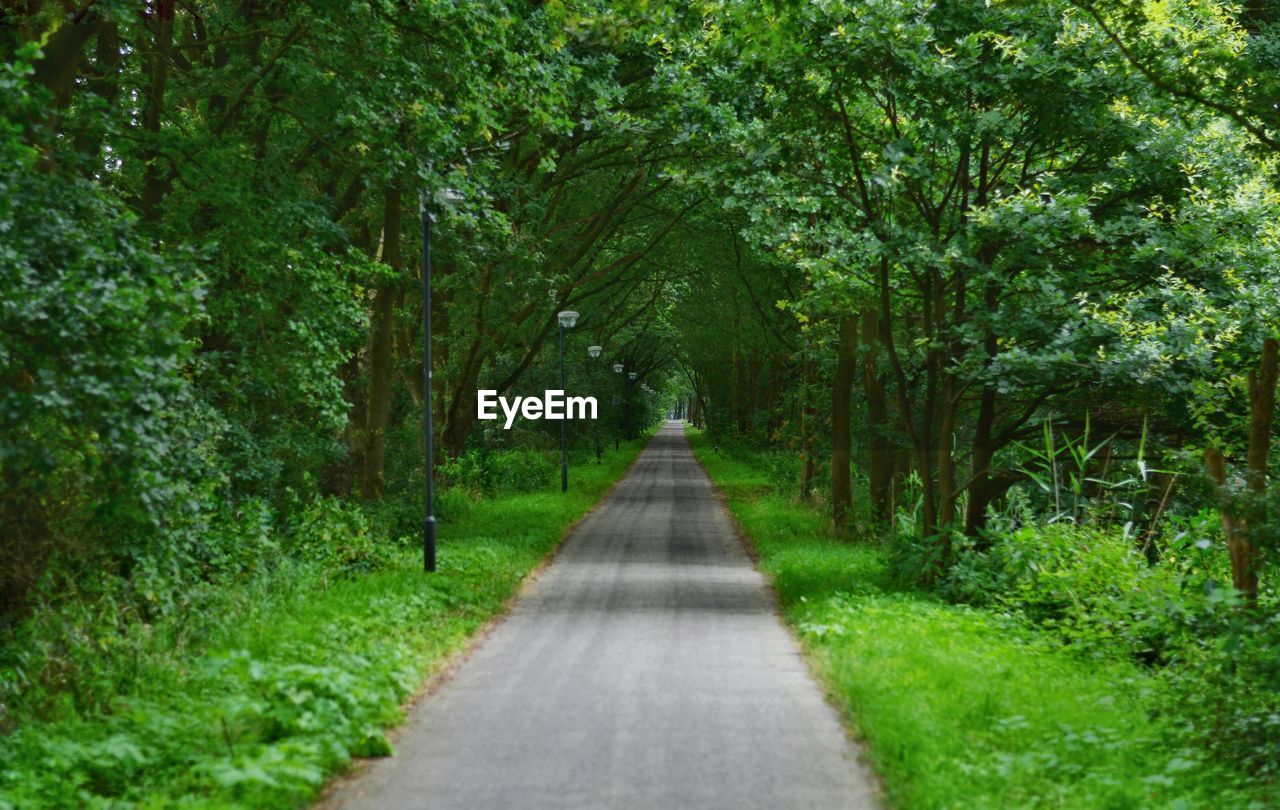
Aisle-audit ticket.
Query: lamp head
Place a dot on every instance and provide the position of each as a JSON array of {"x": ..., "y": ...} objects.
[
  {"x": 632, "y": 374},
  {"x": 567, "y": 318},
  {"x": 594, "y": 351},
  {"x": 617, "y": 368}
]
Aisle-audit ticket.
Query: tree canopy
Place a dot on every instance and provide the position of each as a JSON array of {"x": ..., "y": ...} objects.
[{"x": 932, "y": 252}]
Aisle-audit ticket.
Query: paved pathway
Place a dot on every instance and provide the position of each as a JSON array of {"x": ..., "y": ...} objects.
[{"x": 645, "y": 668}]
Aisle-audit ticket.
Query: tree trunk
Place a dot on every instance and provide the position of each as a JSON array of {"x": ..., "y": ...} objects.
[
  {"x": 105, "y": 84},
  {"x": 1262, "y": 408},
  {"x": 460, "y": 412},
  {"x": 983, "y": 449},
  {"x": 947, "y": 493},
  {"x": 341, "y": 476},
  {"x": 754, "y": 368},
  {"x": 880, "y": 462},
  {"x": 698, "y": 415},
  {"x": 740, "y": 393},
  {"x": 381, "y": 355},
  {"x": 63, "y": 51},
  {"x": 777, "y": 384},
  {"x": 154, "y": 186},
  {"x": 919, "y": 438},
  {"x": 841, "y": 411},
  {"x": 903, "y": 466},
  {"x": 806, "y": 431},
  {"x": 1235, "y": 526}
]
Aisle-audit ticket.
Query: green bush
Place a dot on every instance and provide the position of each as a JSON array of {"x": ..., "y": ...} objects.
[
  {"x": 977, "y": 705},
  {"x": 275, "y": 673},
  {"x": 97, "y": 435},
  {"x": 1226, "y": 682},
  {"x": 1099, "y": 594},
  {"x": 1092, "y": 585},
  {"x": 500, "y": 471},
  {"x": 335, "y": 534}
]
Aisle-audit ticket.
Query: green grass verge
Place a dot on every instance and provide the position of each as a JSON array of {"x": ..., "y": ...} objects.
[
  {"x": 301, "y": 674},
  {"x": 960, "y": 707}
]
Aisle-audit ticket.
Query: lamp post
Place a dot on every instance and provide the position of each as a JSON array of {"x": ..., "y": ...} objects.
[
  {"x": 631, "y": 428},
  {"x": 593, "y": 352},
  {"x": 567, "y": 319},
  {"x": 449, "y": 196},
  {"x": 617, "y": 427}
]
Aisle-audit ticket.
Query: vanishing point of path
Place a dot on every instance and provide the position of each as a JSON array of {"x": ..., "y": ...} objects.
[{"x": 645, "y": 668}]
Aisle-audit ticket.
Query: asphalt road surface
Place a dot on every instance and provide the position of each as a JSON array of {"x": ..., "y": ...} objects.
[{"x": 645, "y": 668}]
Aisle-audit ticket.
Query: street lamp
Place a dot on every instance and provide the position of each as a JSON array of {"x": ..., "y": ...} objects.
[
  {"x": 567, "y": 319},
  {"x": 593, "y": 352},
  {"x": 631, "y": 428},
  {"x": 447, "y": 197},
  {"x": 617, "y": 427}
]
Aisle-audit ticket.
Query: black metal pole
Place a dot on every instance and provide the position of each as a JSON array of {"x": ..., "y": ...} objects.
[
  {"x": 628, "y": 430},
  {"x": 428, "y": 522},
  {"x": 564, "y": 446},
  {"x": 595, "y": 375}
]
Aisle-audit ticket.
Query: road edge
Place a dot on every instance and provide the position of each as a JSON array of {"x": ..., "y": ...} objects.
[
  {"x": 851, "y": 732},
  {"x": 328, "y": 798}
]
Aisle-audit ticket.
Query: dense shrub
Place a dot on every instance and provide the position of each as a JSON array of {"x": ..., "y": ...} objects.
[
  {"x": 1101, "y": 596},
  {"x": 1226, "y": 682},
  {"x": 507, "y": 471},
  {"x": 97, "y": 435},
  {"x": 335, "y": 534}
]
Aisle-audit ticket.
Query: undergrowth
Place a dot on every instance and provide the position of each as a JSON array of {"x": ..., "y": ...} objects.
[
  {"x": 963, "y": 706},
  {"x": 280, "y": 679}
]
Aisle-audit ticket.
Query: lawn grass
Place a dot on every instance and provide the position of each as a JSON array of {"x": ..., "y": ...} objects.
[
  {"x": 301, "y": 674},
  {"x": 960, "y": 707}
]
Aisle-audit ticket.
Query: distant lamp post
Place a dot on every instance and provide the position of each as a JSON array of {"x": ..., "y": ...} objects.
[
  {"x": 617, "y": 423},
  {"x": 631, "y": 427},
  {"x": 567, "y": 319},
  {"x": 426, "y": 212},
  {"x": 594, "y": 352}
]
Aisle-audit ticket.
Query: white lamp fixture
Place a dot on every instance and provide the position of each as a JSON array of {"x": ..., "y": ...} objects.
[
  {"x": 451, "y": 196},
  {"x": 632, "y": 374},
  {"x": 594, "y": 351},
  {"x": 617, "y": 368},
  {"x": 568, "y": 318}
]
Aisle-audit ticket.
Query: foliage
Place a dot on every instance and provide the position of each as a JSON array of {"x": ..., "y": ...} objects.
[
  {"x": 933, "y": 252},
  {"x": 277, "y": 681},
  {"x": 99, "y": 433},
  {"x": 1226, "y": 680},
  {"x": 336, "y": 535},
  {"x": 968, "y": 706},
  {"x": 516, "y": 470}
]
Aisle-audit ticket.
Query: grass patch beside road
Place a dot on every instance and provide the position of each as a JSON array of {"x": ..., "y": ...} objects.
[
  {"x": 295, "y": 675},
  {"x": 960, "y": 707}
]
